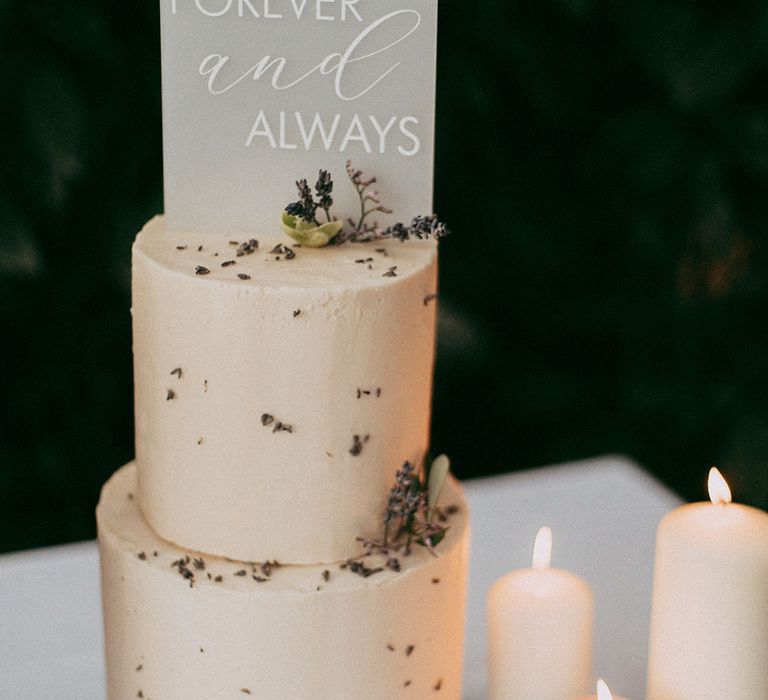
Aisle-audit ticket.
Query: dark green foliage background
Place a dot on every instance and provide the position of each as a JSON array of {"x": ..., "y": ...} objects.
[{"x": 604, "y": 167}]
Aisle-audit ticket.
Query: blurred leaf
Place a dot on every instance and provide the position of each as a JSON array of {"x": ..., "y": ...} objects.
[
  {"x": 438, "y": 473},
  {"x": 54, "y": 117},
  {"x": 20, "y": 256}
]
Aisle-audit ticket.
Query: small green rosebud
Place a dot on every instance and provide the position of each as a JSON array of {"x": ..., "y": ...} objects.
[{"x": 308, "y": 233}]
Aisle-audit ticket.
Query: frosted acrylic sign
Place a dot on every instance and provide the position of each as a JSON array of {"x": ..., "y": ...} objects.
[{"x": 259, "y": 93}]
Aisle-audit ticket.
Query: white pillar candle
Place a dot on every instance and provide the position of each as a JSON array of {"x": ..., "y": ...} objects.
[
  {"x": 603, "y": 693},
  {"x": 709, "y": 627},
  {"x": 540, "y": 631}
]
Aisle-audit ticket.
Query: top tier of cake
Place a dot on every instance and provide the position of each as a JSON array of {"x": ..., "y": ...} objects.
[{"x": 278, "y": 391}]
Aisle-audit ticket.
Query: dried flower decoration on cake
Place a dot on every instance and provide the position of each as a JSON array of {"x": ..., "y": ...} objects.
[
  {"x": 300, "y": 218},
  {"x": 412, "y": 507},
  {"x": 412, "y": 516}
]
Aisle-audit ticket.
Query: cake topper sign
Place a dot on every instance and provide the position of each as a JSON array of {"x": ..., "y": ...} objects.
[{"x": 259, "y": 91}]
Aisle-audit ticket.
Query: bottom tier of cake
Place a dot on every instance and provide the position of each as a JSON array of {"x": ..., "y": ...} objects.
[{"x": 184, "y": 625}]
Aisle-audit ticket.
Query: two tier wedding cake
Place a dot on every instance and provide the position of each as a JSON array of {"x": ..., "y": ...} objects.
[{"x": 283, "y": 533}]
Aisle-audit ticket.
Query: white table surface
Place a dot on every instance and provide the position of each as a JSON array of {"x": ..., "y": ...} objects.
[{"x": 603, "y": 512}]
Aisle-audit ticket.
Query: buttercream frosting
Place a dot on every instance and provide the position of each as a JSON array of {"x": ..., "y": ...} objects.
[
  {"x": 276, "y": 396},
  {"x": 228, "y": 629}
]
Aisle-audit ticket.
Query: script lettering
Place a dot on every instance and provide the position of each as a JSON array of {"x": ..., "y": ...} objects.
[{"x": 213, "y": 65}]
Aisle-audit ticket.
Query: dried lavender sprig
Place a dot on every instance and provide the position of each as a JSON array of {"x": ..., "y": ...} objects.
[
  {"x": 421, "y": 227},
  {"x": 324, "y": 191},
  {"x": 408, "y": 507},
  {"x": 306, "y": 207}
]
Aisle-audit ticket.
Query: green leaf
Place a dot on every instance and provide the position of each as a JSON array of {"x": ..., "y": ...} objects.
[
  {"x": 438, "y": 473},
  {"x": 434, "y": 539}
]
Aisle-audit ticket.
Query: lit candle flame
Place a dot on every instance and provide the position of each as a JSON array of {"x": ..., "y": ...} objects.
[
  {"x": 603, "y": 692},
  {"x": 542, "y": 549},
  {"x": 719, "y": 492}
]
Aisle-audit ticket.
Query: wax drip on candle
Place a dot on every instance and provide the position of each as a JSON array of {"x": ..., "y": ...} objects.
[
  {"x": 603, "y": 692},
  {"x": 719, "y": 491},
  {"x": 542, "y": 549}
]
